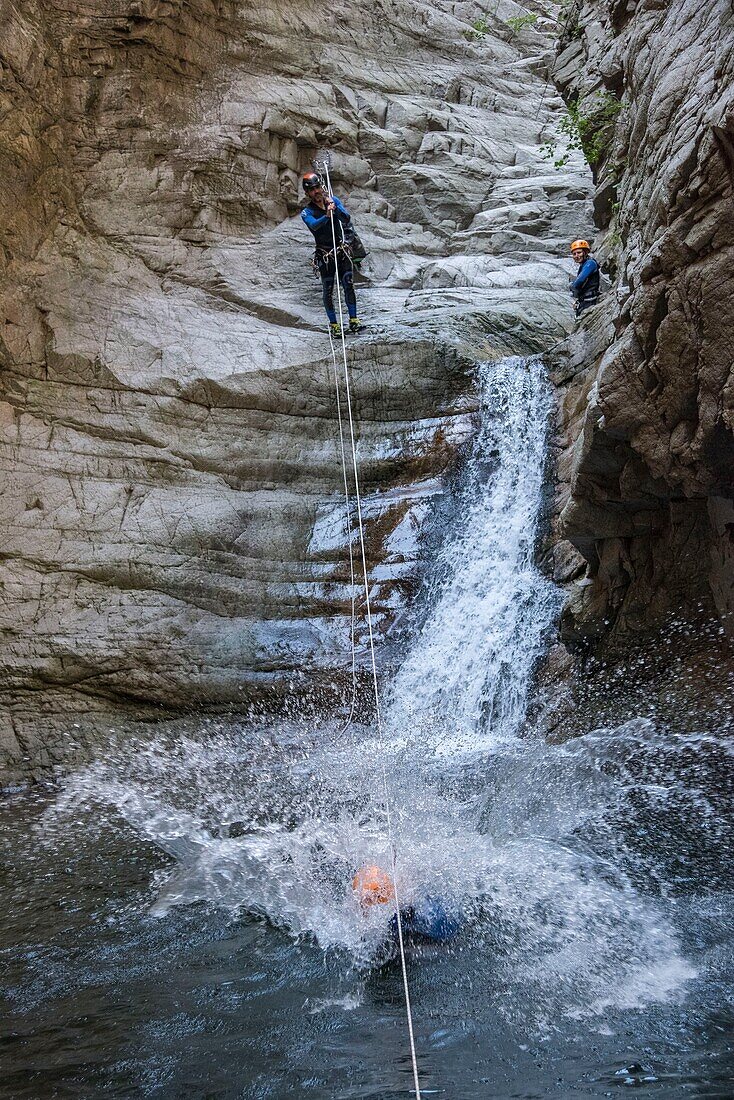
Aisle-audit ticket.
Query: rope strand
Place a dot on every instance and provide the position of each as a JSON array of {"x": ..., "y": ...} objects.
[
  {"x": 378, "y": 715},
  {"x": 348, "y": 524}
]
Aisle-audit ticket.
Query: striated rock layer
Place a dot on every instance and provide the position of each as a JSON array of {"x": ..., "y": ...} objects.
[
  {"x": 172, "y": 524},
  {"x": 646, "y": 450}
]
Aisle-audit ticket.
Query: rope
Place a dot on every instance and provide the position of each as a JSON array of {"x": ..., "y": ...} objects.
[
  {"x": 574, "y": 9},
  {"x": 378, "y": 715},
  {"x": 348, "y": 524}
]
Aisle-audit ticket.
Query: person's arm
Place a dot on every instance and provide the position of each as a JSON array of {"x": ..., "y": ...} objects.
[
  {"x": 311, "y": 220},
  {"x": 588, "y": 268},
  {"x": 341, "y": 211}
]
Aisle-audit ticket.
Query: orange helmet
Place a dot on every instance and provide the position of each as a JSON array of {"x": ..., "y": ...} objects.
[
  {"x": 580, "y": 244},
  {"x": 373, "y": 886}
]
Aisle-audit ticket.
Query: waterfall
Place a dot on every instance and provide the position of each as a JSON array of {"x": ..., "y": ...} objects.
[{"x": 466, "y": 678}]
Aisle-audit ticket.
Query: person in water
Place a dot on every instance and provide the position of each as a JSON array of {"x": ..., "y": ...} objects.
[
  {"x": 431, "y": 918},
  {"x": 585, "y": 287},
  {"x": 320, "y": 214}
]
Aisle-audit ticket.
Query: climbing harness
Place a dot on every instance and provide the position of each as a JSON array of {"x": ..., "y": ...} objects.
[
  {"x": 324, "y": 168},
  {"x": 320, "y": 256}
]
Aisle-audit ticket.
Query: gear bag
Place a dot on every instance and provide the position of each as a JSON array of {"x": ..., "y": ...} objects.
[{"x": 356, "y": 248}]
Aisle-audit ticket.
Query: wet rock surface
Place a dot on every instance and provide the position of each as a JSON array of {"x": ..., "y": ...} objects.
[
  {"x": 645, "y": 450},
  {"x": 172, "y": 519}
]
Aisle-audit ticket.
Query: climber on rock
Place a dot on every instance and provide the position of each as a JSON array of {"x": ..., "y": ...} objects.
[
  {"x": 431, "y": 918},
  {"x": 585, "y": 287},
  {"x": 319, "y": 215}
]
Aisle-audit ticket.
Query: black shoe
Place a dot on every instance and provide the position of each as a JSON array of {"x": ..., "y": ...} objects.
[
  {"x": 355, "y": 326},
  {"x": 335, "y": 330}
]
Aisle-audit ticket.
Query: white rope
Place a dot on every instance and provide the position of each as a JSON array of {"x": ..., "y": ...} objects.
[
  {"x": 348, "y": 528},
  {"x": 358, "y": 501}
]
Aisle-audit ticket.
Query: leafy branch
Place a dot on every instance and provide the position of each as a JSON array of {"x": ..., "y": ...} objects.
[
  {"x": 480, "y": 29},
  {"x": 567, "y": 13},
  {"x": 588, "y": 132},
  {"x": 516, "y": 23}
]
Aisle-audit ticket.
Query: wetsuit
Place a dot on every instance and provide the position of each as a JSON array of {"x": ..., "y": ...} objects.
[
  {"x": 319, "y": 222},
  {"x": 430, "y": 919},
  {"x": 585, "y": 287}
]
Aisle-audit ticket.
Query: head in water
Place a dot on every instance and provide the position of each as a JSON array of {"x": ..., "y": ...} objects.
[{"x": 373, "y": 886}]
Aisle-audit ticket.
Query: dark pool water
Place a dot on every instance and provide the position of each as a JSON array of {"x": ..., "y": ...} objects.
[{"x": 102, "y": 998}]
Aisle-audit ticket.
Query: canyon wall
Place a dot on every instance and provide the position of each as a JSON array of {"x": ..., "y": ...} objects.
[
  {"x": 172, "y": 526},
  {"x": 645, "y": 447}
]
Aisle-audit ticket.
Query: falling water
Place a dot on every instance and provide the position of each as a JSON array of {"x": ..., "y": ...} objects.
[
  {"x": 466, "y": 679},
  {"x": 565, "y": 860}
]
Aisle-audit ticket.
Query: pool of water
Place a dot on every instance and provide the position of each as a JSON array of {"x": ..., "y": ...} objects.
[{"x": 599, "y": 956}]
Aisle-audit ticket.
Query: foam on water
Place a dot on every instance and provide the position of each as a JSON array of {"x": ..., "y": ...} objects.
[{"x": 538, "y": 844}]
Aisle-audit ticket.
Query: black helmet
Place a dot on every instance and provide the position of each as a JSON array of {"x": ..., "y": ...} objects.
[{"x": 311, "y": 180}]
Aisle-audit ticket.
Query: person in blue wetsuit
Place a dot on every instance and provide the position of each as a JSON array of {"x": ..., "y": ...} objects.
[
  {"x": 319, "y": 215},
  {"x": 585, "y": 287},
  {"x": 431, "y": 918}
]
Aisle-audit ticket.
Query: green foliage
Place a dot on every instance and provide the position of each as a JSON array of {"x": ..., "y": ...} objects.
[
  {"x": 589, "y": 133},
  {"x": 516, "y": 23},
  {"x": 480, "y": 28}
]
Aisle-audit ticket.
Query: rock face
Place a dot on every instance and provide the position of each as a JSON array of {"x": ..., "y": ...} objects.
[
  {"x": 173, "y": 530},
  {"x": 645, "y": 447}
]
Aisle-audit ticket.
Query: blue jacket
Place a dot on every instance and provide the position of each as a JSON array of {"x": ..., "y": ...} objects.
[
  {"x": 431, "y": 919},
  {"x": 585, "y": 286},
  {"x": 320, "y": 223}
]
